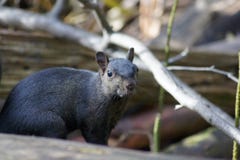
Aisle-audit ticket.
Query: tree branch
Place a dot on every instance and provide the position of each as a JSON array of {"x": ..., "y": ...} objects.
[
  {"x": 93, "y": 4},
  {"x": 178, "y": 57},
  {"x": 204, "y": 69},
  {"x": 57, "y": 9},
  {"x": 101, "y": 20},
  {"x": 32, "y": 21},
  {"x": 180, "y": 91}
]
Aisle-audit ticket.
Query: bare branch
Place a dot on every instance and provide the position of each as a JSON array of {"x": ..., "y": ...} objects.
[
  {"x": 31, "y": 21},
  {"x": 57, "y": 8},
  {"x": 93, "y": 4},
  {"x": 181, "y": 92},
  {"x": 180, "y": 56},
  {"x": 204, "y": 69},
  {"x": 101, "y": 20}
]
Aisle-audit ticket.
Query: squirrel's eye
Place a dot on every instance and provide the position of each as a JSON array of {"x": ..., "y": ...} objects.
[{"x": 109, "y": 73}]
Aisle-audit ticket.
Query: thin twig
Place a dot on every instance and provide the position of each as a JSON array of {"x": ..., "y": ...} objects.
[
  {"x": 93, "y": 4},
  {"x": 178, "y": 57},
  {"x": 57, "y": 9},
  {"x": 204, "y": 69}
]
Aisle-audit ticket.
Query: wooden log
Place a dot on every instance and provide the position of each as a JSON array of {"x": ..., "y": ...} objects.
[
  {"x": 208, "y": 143},
  {"x": 175, "y": 124},
  {"x": 26, "y": 147},
  {"x": 25, "y": 53}
]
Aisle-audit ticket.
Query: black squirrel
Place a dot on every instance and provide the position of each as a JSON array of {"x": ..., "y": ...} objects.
[{"x": 55, "y": 101}]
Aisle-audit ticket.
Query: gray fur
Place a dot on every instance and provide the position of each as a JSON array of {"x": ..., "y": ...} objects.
[{"x": 56, "y": 101}]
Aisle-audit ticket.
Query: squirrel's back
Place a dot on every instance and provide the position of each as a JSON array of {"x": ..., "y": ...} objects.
[
  {"x": 58, "y": 81},
  {"x": 50, "y": 90}
]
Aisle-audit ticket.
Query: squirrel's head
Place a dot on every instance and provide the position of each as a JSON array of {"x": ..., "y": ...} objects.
[{"x": 118, "y": 75}]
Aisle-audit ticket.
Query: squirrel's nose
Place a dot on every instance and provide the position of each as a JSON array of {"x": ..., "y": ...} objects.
[{"x": 131, "y": 86}]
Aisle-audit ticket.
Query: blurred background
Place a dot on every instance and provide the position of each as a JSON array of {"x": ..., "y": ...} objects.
[{"x": 209, "y": 28}]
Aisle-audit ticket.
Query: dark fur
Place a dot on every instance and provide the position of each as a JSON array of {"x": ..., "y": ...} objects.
[{"x": 56, "y": 101}]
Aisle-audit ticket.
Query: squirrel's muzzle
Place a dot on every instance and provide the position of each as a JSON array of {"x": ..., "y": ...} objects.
[
  {"x": 131, "y": 86},
  {"x": 127, "y": 88}
]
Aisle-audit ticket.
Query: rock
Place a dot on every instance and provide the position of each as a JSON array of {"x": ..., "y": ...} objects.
[{"x": 209, "y": 143}]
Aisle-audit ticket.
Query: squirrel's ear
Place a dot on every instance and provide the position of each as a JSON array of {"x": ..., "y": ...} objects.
[
  {"x": 102, "y": 60},
  {"x": 130, "y": 54}
]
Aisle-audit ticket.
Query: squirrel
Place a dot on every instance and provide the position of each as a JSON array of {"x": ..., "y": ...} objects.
[{"x": 56, "y": 101}]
